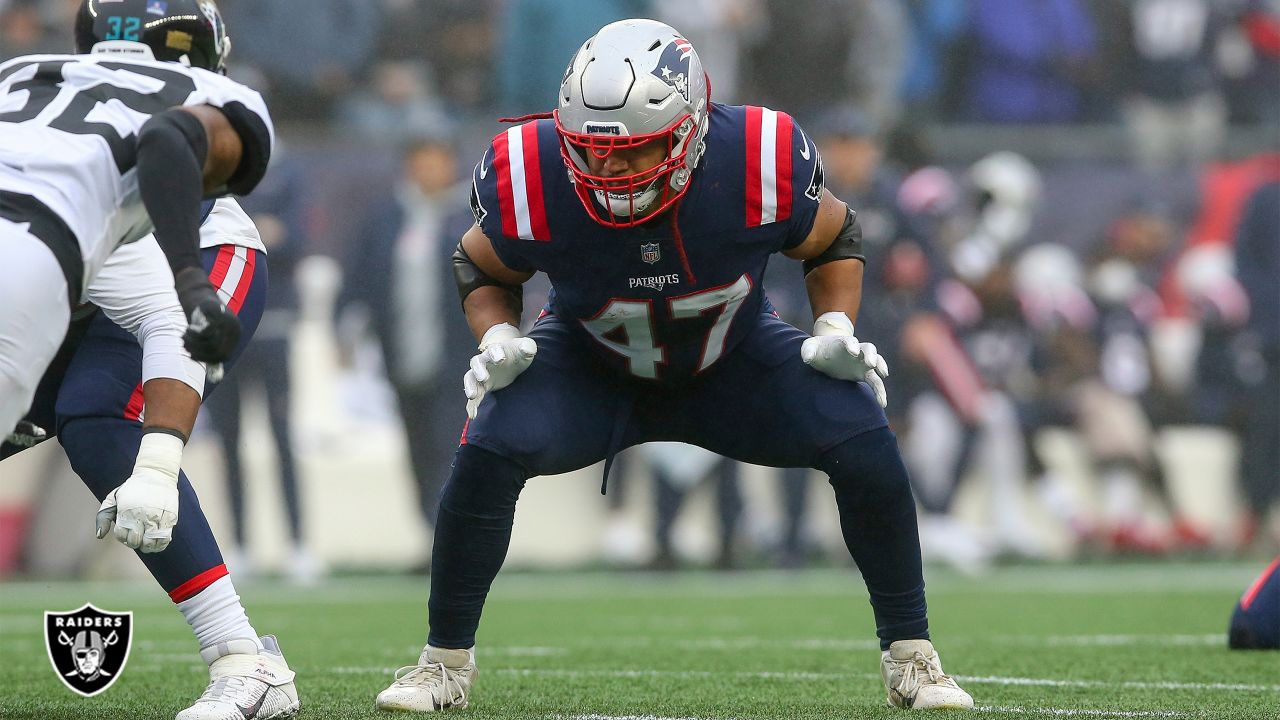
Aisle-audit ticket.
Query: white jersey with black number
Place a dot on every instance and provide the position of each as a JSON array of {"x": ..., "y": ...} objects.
[{"x": 68, "y": 136}]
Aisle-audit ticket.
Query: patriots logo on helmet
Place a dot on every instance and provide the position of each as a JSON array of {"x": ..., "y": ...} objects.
[{"x": 673, "y": 66}]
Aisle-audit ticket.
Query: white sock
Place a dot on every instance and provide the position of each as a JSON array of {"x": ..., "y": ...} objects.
[{"x": 216, "y": 615}]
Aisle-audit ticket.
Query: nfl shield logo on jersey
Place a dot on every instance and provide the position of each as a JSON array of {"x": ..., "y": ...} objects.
[
  {"x": 88, "y": 647},
  {"x": 650, "y": 253}
]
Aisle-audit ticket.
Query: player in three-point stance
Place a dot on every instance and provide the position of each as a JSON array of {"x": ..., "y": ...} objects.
[
  {"x": 97, "y": 150},
  {"x": 655, "y": 244}
]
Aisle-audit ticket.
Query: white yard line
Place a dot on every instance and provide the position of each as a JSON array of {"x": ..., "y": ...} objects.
[
  {"x": 594, "y": 716},
  {"x": 1133, "y": 684},
  {"x": 1049, "y": 711},
  {"x": 1129, "y": 579},
  {"x": 836, "y": 677},
  {"x": 1210, "y": 639},
  {"x": 1073, "y": 712}
]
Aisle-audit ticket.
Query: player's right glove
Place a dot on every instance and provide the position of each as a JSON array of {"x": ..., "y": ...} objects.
[
  {"x": 213, "y": 331},
  {"x": 144, "y": 508},
  {"x": 834, "y": 351},
  {"x": 504, "y": 354}
]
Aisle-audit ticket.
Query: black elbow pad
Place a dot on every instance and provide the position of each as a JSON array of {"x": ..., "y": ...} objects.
[
  {"x": 470, "y": 277},
  {"x": 256, "y": 138},
  {"x": 846, "y": 246}
]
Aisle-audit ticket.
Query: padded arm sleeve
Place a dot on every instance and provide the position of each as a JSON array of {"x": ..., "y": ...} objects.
[
  {"x": 172, "y": 148},
  {"x": 256, "y": 137},
  {"x": 469, "y": 277},
  {"x": 847, "y": 245}
]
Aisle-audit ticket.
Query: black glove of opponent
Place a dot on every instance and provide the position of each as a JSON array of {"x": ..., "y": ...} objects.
[{"x": 213, "y": 331}]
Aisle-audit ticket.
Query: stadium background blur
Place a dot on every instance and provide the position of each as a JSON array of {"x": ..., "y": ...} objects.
[{"x": 1073, "y": 238}]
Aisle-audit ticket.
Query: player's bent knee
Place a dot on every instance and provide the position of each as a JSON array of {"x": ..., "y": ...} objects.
[
  {"x": 868, "y": 464},
  {"x": 101, "y": 450},
  {"x": 482, "y": 483}
]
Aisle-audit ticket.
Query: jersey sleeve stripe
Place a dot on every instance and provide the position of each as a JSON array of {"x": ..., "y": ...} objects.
[
  {"x": 537, "y": 207},
  {"x": 237, "y": 259},
  {"x": 782, "y": 165},
  {"x": 768, "y": 166},
  {"x": 519, "y": 189},
  {"x": 221, "y": 265},
  {"x": 753, "y": 166},
  {"x": 246, "y": 279},
  {"x": 506, "y": 200}
]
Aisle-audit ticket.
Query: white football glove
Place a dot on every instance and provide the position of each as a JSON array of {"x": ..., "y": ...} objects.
[
  {"x": 504, "y": 354},
  {"x": 144, "y": 508},
  {"x": 835, "y": 352}
]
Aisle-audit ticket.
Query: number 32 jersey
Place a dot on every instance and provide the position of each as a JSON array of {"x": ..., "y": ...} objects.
[
  {"x": 68, "y": 137},
  {"x": 656, "y": 303}
]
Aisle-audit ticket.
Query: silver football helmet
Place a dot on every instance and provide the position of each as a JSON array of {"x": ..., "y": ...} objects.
[{"x": 635, "y": 82}]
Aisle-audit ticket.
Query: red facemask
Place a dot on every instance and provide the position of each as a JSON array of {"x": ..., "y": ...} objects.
[{"x": 624, "y": 187}]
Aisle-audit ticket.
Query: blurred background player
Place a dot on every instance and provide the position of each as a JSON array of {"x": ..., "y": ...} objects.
[{"x": 400, "y": 278}]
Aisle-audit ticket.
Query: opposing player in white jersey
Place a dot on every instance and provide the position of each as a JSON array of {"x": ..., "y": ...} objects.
[
  {"x": 105, "y": 378},
  {"x": 101, "y": 148}
]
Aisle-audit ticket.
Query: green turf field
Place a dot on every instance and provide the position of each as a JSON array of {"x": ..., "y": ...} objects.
[{"x": 1112, "y": 641}]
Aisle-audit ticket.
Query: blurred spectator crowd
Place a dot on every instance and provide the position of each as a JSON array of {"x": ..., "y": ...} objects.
[{"x": 1112, "y": 300}]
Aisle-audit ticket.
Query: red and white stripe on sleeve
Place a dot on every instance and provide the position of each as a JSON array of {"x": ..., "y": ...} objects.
[
  {"x": 516, "y": 160},
  {"x": 232, "y": 275},
  {"x": 769, "y": 168}
]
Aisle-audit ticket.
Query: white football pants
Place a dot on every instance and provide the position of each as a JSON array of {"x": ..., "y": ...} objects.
[{"x": 33, "y": 318}]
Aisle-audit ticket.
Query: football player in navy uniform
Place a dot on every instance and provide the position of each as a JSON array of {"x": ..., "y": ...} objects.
[{"x": 655, "y": 242}]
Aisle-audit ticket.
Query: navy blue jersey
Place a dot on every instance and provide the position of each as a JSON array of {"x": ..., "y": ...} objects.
[{"x": 657, "y": 304}]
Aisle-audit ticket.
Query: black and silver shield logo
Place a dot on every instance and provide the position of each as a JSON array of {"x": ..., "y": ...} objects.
[
  {"x": 650, "y": 253},
  {"x": 88, "y": 647}
]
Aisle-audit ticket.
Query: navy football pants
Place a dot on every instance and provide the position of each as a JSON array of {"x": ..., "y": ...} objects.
[
  {"x": 760, "y": 404},
  {"x": 92, "y": 397}
]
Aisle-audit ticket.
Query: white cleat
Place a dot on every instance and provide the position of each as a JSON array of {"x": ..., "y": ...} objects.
[
  {"x": 440, "y": 681},
  {"x": 914, "y": 679},
  {"x": 245, "y": 683}
]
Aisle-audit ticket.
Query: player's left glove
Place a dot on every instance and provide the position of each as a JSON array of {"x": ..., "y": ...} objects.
[
  {"x": 504, "y": 354},
  {"x": 213, "y": 331},
  {"x": 834, "y": 351},
  {"x": 144, "y": 508}
]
